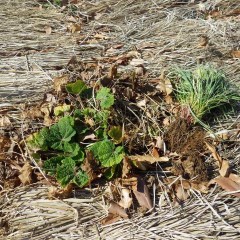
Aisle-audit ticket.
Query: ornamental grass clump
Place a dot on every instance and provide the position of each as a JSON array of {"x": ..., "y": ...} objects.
[{"x": 203, "y": 90}]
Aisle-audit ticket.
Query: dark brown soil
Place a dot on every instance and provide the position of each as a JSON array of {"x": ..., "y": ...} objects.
[{"x": 188, "y": 142}]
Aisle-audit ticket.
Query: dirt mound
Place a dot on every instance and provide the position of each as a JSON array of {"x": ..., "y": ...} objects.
[{"x": 188, "y": 142}]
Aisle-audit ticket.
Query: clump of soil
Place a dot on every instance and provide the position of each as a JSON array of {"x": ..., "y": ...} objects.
[{"x": 188, "y": 142}]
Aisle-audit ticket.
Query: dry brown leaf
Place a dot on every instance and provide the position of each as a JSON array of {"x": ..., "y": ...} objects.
[
  {"x": 235, "y": 178},
  {"x": 90, "y": 166},
  {"x": 181, "y": 193},
  {"x": 60, "y": 193},
  {"x": 132, "y": 54},
  {"x": 148, "y": 158},
  {"x": 26, "y": 174},
  {"x": 234, "y": 12},
  {"x": 74, "y": 27},
  {"x": 5, "y": 144},
  {"x": 126, "y": 200},
  {"x": 71, "y": 19},
  {"x": 227, "y": 184},
  {"x": 58, "y": 82},
  {"x": 168, "y": 99},
  {"x": 126, "y": 167},
  {"x": 202, "y": 186},
  {"x": 155, "y": 153},
  {"x": 164, "y": 84},
  {"x": 117, "y": 210},
  {"x": 142, "y": 195},
  {"x": 223, "y": 164},
  {"x": 112, "y": 72},
  {"x": 203, "y": 41},
  {"x": 111, "y": 218},
  {"x": 235, "y": 54}
]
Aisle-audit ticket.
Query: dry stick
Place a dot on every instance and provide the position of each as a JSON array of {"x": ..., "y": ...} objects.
[{"x": 212, "y": 209}]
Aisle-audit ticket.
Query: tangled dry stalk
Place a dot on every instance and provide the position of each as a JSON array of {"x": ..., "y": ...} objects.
[{"x": 165, "y": 34}]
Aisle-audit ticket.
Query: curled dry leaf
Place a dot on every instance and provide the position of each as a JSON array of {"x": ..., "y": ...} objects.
[
  {"x": 235, "y": 54},
  {"x": 74, "y": 27},
  {"x": 223, "y": 164},
  {"x": 26, "y": 174},
  {"x": 126, "y": 167},
  {"x": 126, "y": 200},
  {"x": 111, "y": 218},
  {"x": 5, "y": 144},
  {"x": 181, "y": 193},
  {"x": 142, "y": 195},
  {"x": 229, "y": 184},
  {"x": 164, "y": 85},
  {"x": 117, "y": 210},
  {"x": 203, "y": 41},
  {"x": 58, "y": 82}
]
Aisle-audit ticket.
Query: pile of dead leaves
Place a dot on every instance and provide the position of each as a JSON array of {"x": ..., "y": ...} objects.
[{"x": 167, "y": 155}]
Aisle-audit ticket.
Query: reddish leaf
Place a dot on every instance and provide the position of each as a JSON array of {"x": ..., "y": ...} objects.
[
  {"x": 117, "y": 210},
  {"x": 228, "y": 184},
  {"x": 141, "y": 192}
]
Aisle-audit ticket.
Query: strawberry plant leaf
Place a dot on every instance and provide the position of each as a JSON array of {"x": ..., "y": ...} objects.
[
  {"x": 50, "y": 166},
  {"x": 74, "y": 151},
  {"x": 116, "y": 134},
  {"x": 60, "y": 110},
  {"x": 105, "y": 97},
  {"x": 106, "y": 153},
  {"x": 81, "y": 179},
  {"x": 38, "y": 140},
  {"x": 61, "y": 132},
  {"x": 77, "y": 87},
  {"x": 65, "y": 171}
]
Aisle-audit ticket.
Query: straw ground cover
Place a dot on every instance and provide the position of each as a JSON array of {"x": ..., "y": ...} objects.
[{"x": 128, "y": 55}]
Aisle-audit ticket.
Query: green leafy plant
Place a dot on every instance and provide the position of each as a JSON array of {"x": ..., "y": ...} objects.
[
  {"x": 105, "y": 97},
  {"x": 203, "y": 90},
  {"x": 61, "y": 142}
]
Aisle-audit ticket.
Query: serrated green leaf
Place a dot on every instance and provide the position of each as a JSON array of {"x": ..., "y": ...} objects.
[
  {"x": 81, "y": 179},
  {"x": 61, "y": 132},
  {"x": 106, "y": 153},
  {"x": 60, "y": 110},
  {"x": 66, "y": 129},
  {"x": 65, "y": 171},
  {"x": 77, "y": 87},
  {"x": 105, "y": 97},
  {"x": 50, "y": 166},
  {"x": 74, "y": 151},
  {"x": 38, "y": 140},
  {"x": 71, "y": 148},
  {"x": 116, "y": 134}
]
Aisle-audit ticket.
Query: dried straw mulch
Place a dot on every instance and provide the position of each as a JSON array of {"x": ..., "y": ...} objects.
[
  {"x": 165, "y": 33},
  {"x": 27, "y": 213}
]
